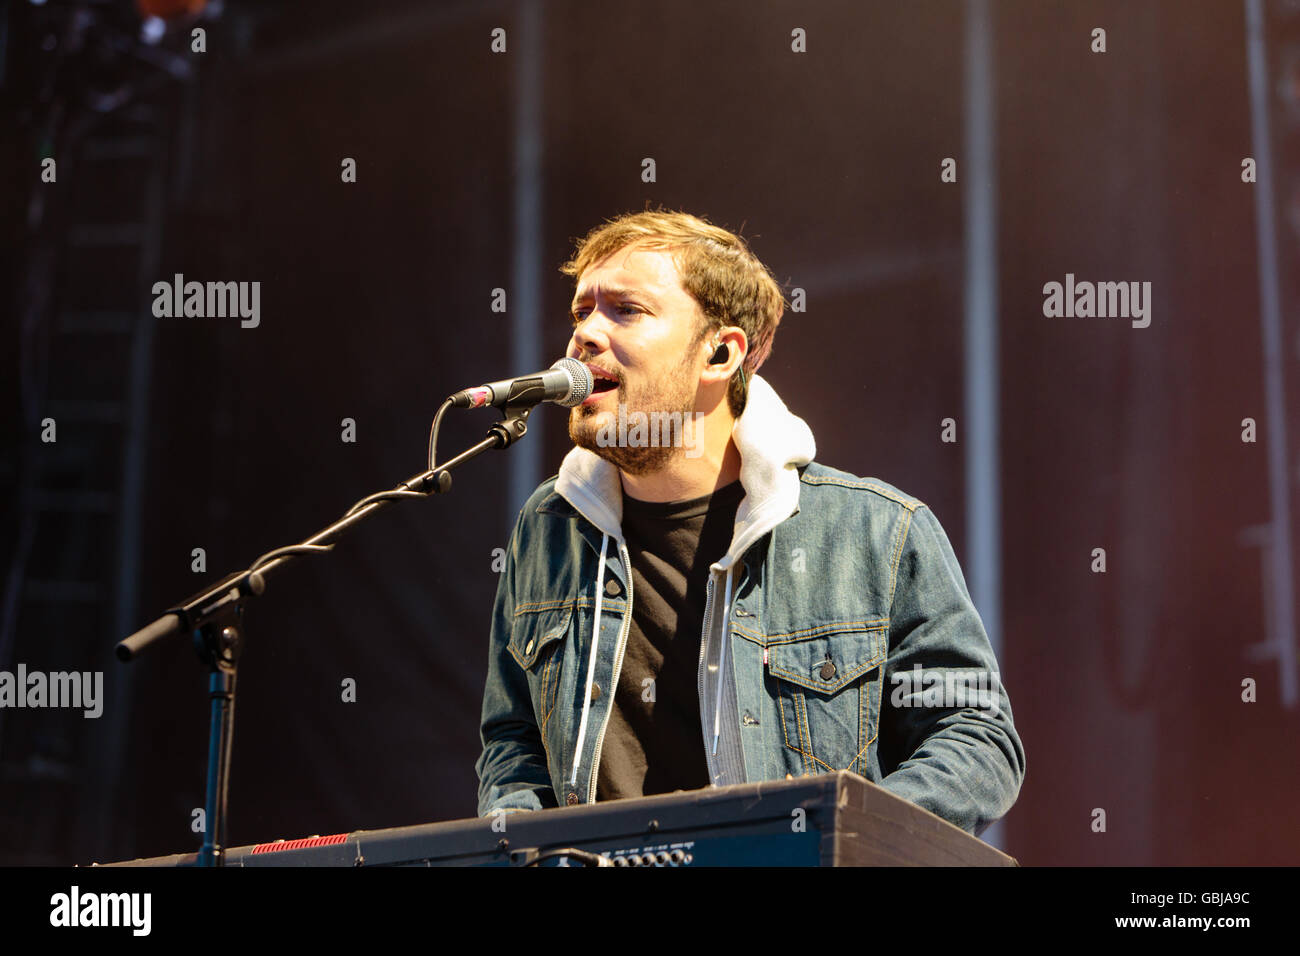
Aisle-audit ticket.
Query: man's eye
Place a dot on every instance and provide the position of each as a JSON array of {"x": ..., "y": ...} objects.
[{"x": 577, "y": 315}]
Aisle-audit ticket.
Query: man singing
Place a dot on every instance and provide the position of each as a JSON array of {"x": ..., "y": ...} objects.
[{"x": 694, "y": 601}]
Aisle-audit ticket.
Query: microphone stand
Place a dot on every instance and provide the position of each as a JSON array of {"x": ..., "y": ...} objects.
[{"x": 214, "y": 617}]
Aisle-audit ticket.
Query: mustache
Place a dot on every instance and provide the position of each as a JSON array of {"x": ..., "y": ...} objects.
[{"x": 605, "y": 372}]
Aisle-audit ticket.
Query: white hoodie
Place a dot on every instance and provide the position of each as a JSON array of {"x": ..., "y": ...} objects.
[{"x": 773, "y": 443}]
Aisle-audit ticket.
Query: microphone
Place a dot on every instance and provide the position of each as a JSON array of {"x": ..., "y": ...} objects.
[{"x": 568, "y": 382}]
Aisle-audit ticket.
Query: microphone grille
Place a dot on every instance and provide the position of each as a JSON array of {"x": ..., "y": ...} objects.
[{"x": 580, "y": 382}]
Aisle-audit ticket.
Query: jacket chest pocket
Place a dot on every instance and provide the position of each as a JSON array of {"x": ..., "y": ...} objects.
[
  {"x": 537, "y": 641},
  {"x": 827, "y": 687}
]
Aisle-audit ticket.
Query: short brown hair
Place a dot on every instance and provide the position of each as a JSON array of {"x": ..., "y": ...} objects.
[{"x": 728, "y": 281}]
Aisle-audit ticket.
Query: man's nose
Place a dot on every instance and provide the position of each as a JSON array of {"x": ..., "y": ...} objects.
[{"x": 589, "y": 335}]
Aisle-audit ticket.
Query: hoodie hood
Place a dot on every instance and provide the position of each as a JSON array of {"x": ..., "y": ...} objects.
[{"x": 773, "y": 443}]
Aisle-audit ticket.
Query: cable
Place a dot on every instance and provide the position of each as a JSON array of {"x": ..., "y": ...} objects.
[
  {"x": 382, "y": 496},
  {"x": 289, "y": 549},
  {"x": 368, "y": 500},
  {"x": 582, "y": 856},
  {"x": 433, "y": 434}
]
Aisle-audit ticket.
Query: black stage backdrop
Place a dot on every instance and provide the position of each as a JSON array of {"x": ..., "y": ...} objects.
[{"x": 376, "y": 301}]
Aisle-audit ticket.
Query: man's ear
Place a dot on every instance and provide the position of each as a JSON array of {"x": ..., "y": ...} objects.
[{"x": 728, "y": 347}]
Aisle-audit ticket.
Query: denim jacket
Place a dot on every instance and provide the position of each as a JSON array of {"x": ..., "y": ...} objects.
[{"x": 838, "y": 635}]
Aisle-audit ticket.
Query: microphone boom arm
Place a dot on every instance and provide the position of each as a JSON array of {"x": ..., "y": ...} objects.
[{"x": 214, "y": 616}]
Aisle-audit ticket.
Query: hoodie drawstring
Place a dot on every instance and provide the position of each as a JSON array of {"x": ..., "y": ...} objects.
[
  {"x": 722, "y": 663},
  {"x": 591, "y": 663}
]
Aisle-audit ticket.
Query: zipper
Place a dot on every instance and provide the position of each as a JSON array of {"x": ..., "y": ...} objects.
[{"x": 618, "y": 667}]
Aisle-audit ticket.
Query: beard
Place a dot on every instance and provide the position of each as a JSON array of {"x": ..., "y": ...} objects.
[{"x": 676, "y": 394}]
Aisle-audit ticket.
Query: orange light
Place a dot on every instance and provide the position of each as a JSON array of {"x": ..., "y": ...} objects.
[{"x": 167, "y": 9}]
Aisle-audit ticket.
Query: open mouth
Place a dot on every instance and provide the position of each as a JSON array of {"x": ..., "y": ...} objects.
[{"x": 602, "y": 381}]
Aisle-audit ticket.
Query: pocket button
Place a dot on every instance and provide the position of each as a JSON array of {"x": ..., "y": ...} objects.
[{"x": 827, "y": 671}]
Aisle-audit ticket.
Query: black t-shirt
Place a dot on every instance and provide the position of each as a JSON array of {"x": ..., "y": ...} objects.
[{"x": 654, "y": 742}]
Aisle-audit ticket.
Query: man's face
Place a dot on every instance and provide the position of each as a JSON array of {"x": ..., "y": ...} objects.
[{"x": 634, "y": 324}]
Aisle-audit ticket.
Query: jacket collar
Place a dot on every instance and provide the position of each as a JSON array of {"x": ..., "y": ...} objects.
[{"x": 773, "y": 443}]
